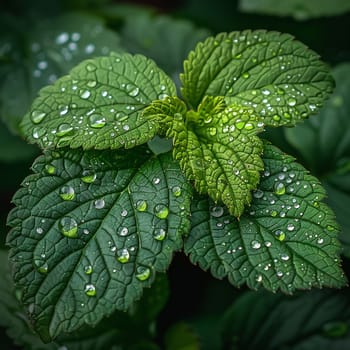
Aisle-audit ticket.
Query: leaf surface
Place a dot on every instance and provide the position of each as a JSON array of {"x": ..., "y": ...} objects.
[
  {"x": 271, "y": 72},
  {"x": 216, "y": 147},
  {"x": 286, "y": 240},
  {"x": 104, "y": 223}
]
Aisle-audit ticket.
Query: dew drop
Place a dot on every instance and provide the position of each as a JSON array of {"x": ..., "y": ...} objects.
[
  {"x": 285, "y": 257},
  {"x": 290, "y": 227},
  {"x": 42, "y": 267},
  {"x": 91, "y": 83},
  {"x": 279, "y": 273},
  {"x": 67, "y": 193},
  {"x": 141, "y": 205},
  {"x": 246, "y": 75},
  {"x": 38, "y": 132},
  {"x": 161, "y": 211},
  {"x": 63, "y": 129},
  {"x": 320, "y": 241},
  {"x": 291, "y": 102},
  {"x": 90, "y": 290},
  {"x": 50, "y": 169},
  {"x": 176, "y": 190},
  {"x": 91, "y": 67},
  {"x": 68, "y": 227},
  {"x": 258, "y": 194},
  {"x": 212, "y": 131},
  {"x": 99, "y": 203},
  {"x": 279, "y": 188},
  {"x": 280, "y": 235},
  {"x": 143, "y": 273},
  {"x": 97, "y": 121},
  {"x": 123, "y": 231},
  {"x": 216, "y": 211},
  {"x": 132, "y": 90},
  {"x": 124, "y": 213},
  {"x": 156, "y": 180},
  {"x": 88, "y": 176},
  {"x": 85, "y": 94},
  {"x": 159, "y": 234},
  {"x": 255, "y": 244},
  {"x": 259, "y": 278},
  {"x": 88, "y": 269},
  {"x": 123, "y": 255},
  {"x": 37, "y": 116}
]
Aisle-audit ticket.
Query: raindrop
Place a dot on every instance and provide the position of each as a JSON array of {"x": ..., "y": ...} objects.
[
  {"x": 88, "y": 176},
  {"x": 161, "y": 211},
  {"x": 280, "y": 235},
  {"x": 91, "y": 83},
  {"x": 143, "y": 273},
  {"x": 285, "y": 257},
  {"x": 99, "y": 203},
  {"x": 159, "y": 234},
  {"x": 96, "y": 121},
  {"x": 37, "y": 116},
  {"x": 217, "y": 211},
  {"x": 50, "y": 169},
  {"x": 67, "y": 193},
  {"x": 290, "y": 227},
  {"x": 132, "y": 90},
  {"x": 39, "y": 230},
  {"x": 41, "y": 267},
  {"x": 126, "y": 127},
  {"x": 91, "y": 67},
  {"x": 258, "y": 194},
  {"x": 212, "y": 131},
  {"x": 88, "y": 269},
  {"x": 279, "y": 273},
  {"x": 68, "y": 227},
  {"x": 123, "y": 255},
  {"x": 38, "y": 132},
  {"x": 291, "y": 102},
  {"x": 141, "y": 205},
  {"x": 280, "y": 189},
  {"x": 156, "y": 180},
  {"x": 63, "y": 129},
  {"x": 90, "y": 290},
  {"x": 255, "y": 244},
  {"x": 259, "y": 278},
  {"x": 85, "y": 94},
  {"x": 176, "y": 190},
  {"x": 246, "y": 75},
  {"x": 124, "y": 213},
  {"x": 320, "y": 241},
  {"x": 123, "y": 231}
]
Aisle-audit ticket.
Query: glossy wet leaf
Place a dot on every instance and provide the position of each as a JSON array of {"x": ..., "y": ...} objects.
[
  {"x": 312, "y": 320},
  {"x": 104, "y": 222},
  {"x": 277, "y": 76},
  {"x": 162, "y": 38},
  {"x": 286, "y": 239},
  {"x": 299, "y": 9},
  {"x": 98, "y": 105},
  {"x": 47, "y": 51},
  {"x": 216, "y": 147},
  {"x": 324, "y": 144}
]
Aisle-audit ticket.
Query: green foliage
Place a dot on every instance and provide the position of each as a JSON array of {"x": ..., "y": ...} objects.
[
  {"x": 106, "y": 215},
  {"x": 299, "y": 9}
]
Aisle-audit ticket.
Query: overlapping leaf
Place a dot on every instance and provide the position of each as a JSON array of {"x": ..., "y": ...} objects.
[
  {"x": 90, "y": 230},
  {"x": 98, "y": 105},
  {"x": 216, "y": 146},
  {"x": 286, "y": 240},
  {"x": 279, "y": 77}
]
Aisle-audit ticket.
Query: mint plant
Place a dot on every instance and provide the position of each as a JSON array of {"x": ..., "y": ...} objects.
[{"x": 102, "y": 214}]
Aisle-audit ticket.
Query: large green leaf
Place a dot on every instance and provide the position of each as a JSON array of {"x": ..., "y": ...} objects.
[
  {"x": 271, "y": 72},
  {"x": 48, "y": 50},
  {"x": 98, "y": 105},
  {"x": 286, "y": 240},
  {"x": 102, "y": 222},
  {"x": 164, "y": 39},
  {"x": 216, "y": 146},
  {"x": 312, "y": 320},
  {"x": 324, "y": 144},
  {"x": 299, "y": 9}
]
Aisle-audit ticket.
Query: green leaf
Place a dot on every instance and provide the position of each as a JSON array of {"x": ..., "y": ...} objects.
[
  {"x": 181, "y": 337},
  {"x": 164, "y": 39},
  {"x": 324, "y": 145},
  {"x": 312, "y": 320},
  {"x": 216, "y": 146},
  {"x": 299, "y": 9},
  {"x": 48, "y": 50},
  {"x": 271, "y": 72},
  {"x": 104, "y": 222},
  {"x": 98, "y": 105},
  {"x": 286, "y": 240}
]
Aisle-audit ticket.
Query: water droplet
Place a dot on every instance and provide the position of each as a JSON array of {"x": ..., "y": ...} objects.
[
  {"x": 280, "y": 189},
  {"x": 280, "y": 235},
  {"x": 255, "y": 244},
  {"x": 320, "y": 241},
  {"x": 63, "y": 129},
  {"x": 240, "y": 124},
  {"x": 141, "y": 205},
  {"x": 279, "y": 273},
  {"x": 161, "y": 211},
  {"x": 67, "y": 193},
  {"x": 291, "y": 102},
  {"x": 38, "y": 132},
  {"x": 99, "y": 203},
  {"x": 90, "y": 290},
  {"x": 176, "y": 190},
  {"x": 91, "y": 83},
  {"x": 249, "y": 126},
  {"x": 88, "y": 269},
  {"x": 41, "y": 266},
  {"x": 68, "y": 227},
  {"x": 259, "y": 278},
  {"x": 50, "y": 169},
  {"x": 156, "y": 180},
  {"x": 246, "y": 75},
  {"x": 216, "y": 211},
  {"x": 212, "y": 131},
  {"x": 284, "y": 257},
  {"x": 143, "y": 273},
  {"x": 39, "y": 230},
  {"x": 123, "y": 255},
  {"x": 290, "y": 227},
  {"x": 91, "y": 67},
  {"x": 124, "y": 213},
  {"x": 159, "y": 234},
  {"x": 258, "y": 194},
  {"x": 62, "y": 38},
  {"x": 132, "y": 90},
  {"x": 85, "y": 94},
  {"x": 88, "y": 176},
  {"x": 90, "y": 48},
  {"x": 274, "y": 213},
  {"x": 123, "y": 231},
  {"x": 37, "y": 116},
  {"x": 97, "y": 121}
]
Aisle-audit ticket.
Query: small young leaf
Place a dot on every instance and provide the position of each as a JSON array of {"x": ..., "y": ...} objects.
[
  {"x": 271, "y": 72},
  {"x": 287, "y": 239},
  {"x": 98, "y": 105},
  {"x": 216, "y": 146},
  {"x": 104, "y": 223}
]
